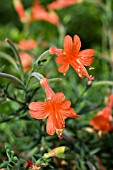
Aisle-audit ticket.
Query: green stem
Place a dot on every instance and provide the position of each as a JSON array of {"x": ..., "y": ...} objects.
[
  {"x": 62, "y": 32},
  {"x": 16, "y": 55},
  {"x": 99, "y": 83},
  {"x": 34, "y": 86},
  {"x": 11, "y": 77},
  {"x": 13, "y": 98},
  {"x": 41, "y": 57}
]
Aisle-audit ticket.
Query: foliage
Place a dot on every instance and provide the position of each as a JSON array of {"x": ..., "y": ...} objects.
[{"x": 24, "y": 143}]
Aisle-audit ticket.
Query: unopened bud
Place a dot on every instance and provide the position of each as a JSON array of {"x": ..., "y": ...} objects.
[{"x": 55, "y": 152}]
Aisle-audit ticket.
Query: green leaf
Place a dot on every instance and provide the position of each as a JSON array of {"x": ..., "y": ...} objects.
[
  {"x": 11, "y": 77},
  {"x": 5, "y": 163},
  {"x": 9, "y": 58}
]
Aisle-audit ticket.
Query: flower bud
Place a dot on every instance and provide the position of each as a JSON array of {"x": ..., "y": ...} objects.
[{"x": 56, "y": 151}]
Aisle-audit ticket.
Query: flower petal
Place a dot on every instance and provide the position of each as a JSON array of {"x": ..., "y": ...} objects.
[
  {"x": 58, "y": 97},
  {"x": 61, "y": 59},
  {"x": 38, "y": 110},
  {"x": 63, "y": 68},
  {"x": 36, "y": 106},
  {"x": 99, "y": 122},
  {"x": 80, "y": 69},
  {"x": 50, "y": 128},
  {"x": 66, "y": 104},
  {"x": 38, "y": 115},
  {"x": 68, "y": 43},
  {"x": 85, "y": 56},
  {"x": 77, "y": 43},
  {"x": 57, "y": 117},
  {"x": 64, "y": 64},
  {"x": 69, "y": 113}
]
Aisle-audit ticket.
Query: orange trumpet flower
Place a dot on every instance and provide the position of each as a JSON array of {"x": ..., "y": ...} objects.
[
  {"x": 40, "y": 13},
  {"x": 27, "y": 44},
  {"x": 102, "y": 121},
  {"x": 20, "y": 10},
  {"x": 56, "y": 108},
  {"x": 26, "y": 58},
  {"x": 71, "y": 55}
]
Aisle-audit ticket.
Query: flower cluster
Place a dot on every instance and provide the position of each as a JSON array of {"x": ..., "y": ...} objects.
[
  {"x": 56, "y": 108},
  {"x": 38, "y": 12},
  {"x": 103, "y": 119}
]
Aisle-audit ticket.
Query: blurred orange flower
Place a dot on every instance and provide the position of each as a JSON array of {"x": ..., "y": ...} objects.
[
  {"x": 39, "y": 13},
  {"x": 59, "y": 4},
  {"x": 102, "y": 121},
  {"x": 71, "y": 55},
  {"x": 26, "y": 60},
  {"x": 27, "y": 44},
  {"x": 20, "y": 10},
  {"x": 56, "y": 108}
]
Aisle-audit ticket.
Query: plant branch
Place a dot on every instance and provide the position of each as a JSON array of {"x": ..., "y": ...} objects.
[{"x": 104, "y": 82}]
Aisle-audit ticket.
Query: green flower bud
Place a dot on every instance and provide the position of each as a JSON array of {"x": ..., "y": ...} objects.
[{"x": 56, "y": 151}]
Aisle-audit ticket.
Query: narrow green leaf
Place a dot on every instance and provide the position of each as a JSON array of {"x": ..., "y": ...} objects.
[
  {"x": 9, "y": 58},
  {"x": 11, "y": 77}
]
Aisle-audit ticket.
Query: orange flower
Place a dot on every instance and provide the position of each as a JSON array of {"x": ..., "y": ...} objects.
[
  {"x": 39, "y": 13},
  {"x": 59, "y": 4},
  {"x": 27, "y": 44},
  {"x": 20, "y": 10},
  {"x": 26, "y": 60},
  {"x": 102, "y": 121},
  {"x": 56, "y": 108},
  {"x": 72, "y": 56}
]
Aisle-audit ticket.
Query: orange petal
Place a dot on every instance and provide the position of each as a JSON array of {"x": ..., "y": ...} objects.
[
  {"x": 80, "y": 69},
  {"x": 69, "y": 113},
  {"x": 66, "y": 104},
  {"x": 63, "y": 68},
  {"x": 99, "y": 121},
  {"x": 106, "y": 112},
  {"x": 68, "y": 43},
  {"x": 20, "y": 10},
  {"x": 37, "y": 106},
  {"x": 77, "y": 43},
  {"x": 50, "y": 128},
  {"x": 85, "y": 56},
  {"x": 61, "y": 59},
  {"x": 38, "y": 110},
  {"x": 58, "y": 97},
  {"x": 38, "y": 115},
  {"x": 57, "y": 117}
]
